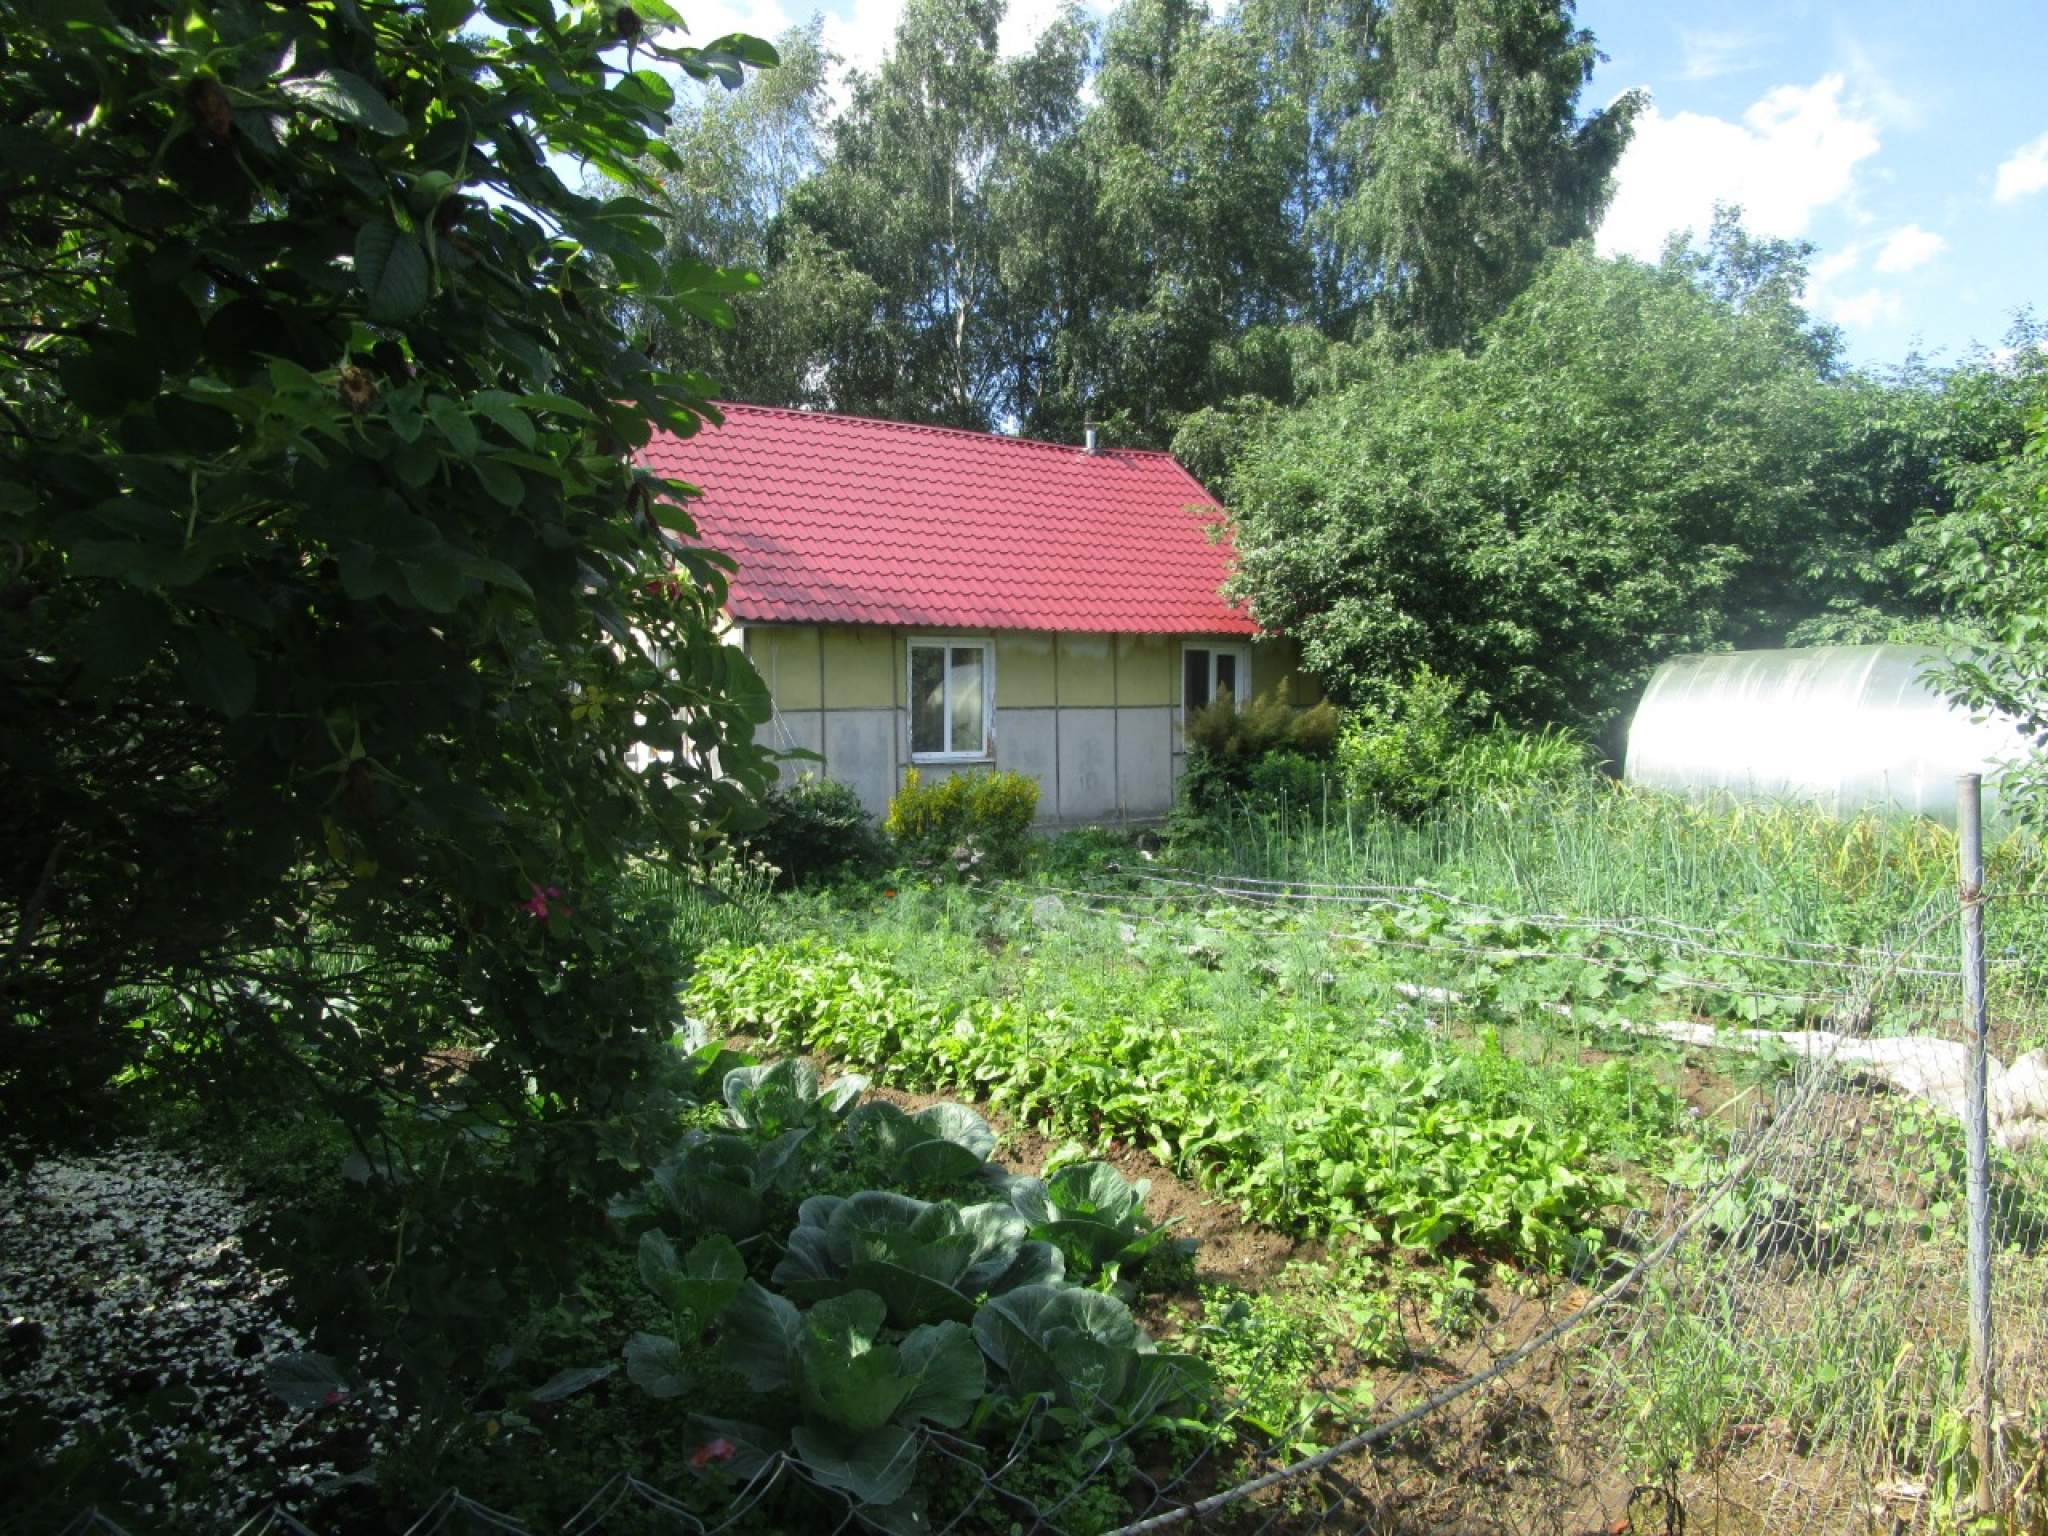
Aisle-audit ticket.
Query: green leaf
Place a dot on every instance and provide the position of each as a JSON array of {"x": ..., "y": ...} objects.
[
  {"x": 346, "y": 98},
  {"x": 960, "y": 1125},
  {"x": 761, "y": 1331},
  {"x": 567, "y": 1383},
  {"x": 454, "y": 423},
  {"x": 446, "y": 16},
  {"x": 951, "y": 1377},
  {"x": 501, "y": 481},
  {"x": 391, "y": 271},
  {"x": 654, "y": 1364},
  {"x": 845, "y": 1377},
  {"x": 437, "y": 584},
  {"x": 874, "y": 1468},
  {"x": 217, "y": 670}
]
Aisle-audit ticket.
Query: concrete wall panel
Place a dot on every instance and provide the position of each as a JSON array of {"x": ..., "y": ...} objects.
[
  {"x": 1027, "y": 742},
  {"x": 1087, "y": 671},
  {"x": 1144, "y": 761},
  {"x": 791, "y": 728},
  {"x": 1087, "y": 763},
  {"x": 860, "y": 751}
]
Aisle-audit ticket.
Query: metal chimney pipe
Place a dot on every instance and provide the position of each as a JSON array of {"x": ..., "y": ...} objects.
[{"x": 1088, "y": 431}]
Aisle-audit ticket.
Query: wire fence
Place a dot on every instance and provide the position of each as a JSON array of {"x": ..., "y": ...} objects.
[{"x": 1784, "y": 1341}]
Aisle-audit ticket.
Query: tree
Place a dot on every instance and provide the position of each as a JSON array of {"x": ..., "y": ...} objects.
[
  {"x": 1476, "y": 163},
  {"x": 1989, "y": 559},
  {"x": 741, "y": 156},
  {"x": 923, "y": 163},
  {"x": 333, "y": 602},
  {"x": 1625, "y": 466}
]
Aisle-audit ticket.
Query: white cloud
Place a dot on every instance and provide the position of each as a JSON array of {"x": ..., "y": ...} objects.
[
  {"x": 2023, "y": 172},
  {"x": 1836, "y": 264},
  {"x": 1863, "y": 309},
  {"x": 1708, "y": 54},
  {"x": 1794, "y": 152},
  {"x": 1908, "y": 247}
]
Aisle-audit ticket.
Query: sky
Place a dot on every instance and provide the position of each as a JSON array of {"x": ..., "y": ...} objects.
[{"x": 1906, "y": 139}]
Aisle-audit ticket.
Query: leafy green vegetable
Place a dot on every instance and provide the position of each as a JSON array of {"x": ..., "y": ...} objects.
[
  {"x": 928, "y": 1261},
  {"x": 700, "y": 1286},
  {"x": 1084, "y": 1350},
  {"x": 786, "y": 1095},
  {"x": 938, "y": 1145},
  {"x": 720, "y": 1183},
  {"x": 1093, "y": 1215}
]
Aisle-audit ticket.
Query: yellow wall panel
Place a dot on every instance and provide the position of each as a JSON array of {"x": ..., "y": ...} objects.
[
  {"x": 1144, "y": 670},
  {"x": 787, "y": 659},
  {"x": 1276, "y": 664},
  {"x": 1024, "y": 671},
  {"x": 1087, "y": 670},
  {"x": 859, "y": 667}
]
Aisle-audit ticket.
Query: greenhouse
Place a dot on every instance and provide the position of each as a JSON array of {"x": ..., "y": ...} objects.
[{"x": 1846, "y": 727}]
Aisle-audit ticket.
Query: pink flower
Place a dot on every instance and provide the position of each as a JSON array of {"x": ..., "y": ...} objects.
[
  {"x": 720, "y": 1449},
  {"x": 538, "y": 906}
]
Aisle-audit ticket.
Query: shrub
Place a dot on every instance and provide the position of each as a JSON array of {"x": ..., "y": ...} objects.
[
  {"x": 1225, "y": 743},
  {"x": 815, "y": 827},
  {"x": 980, "y": 821},
  {"x": 1287, "y": 781},
  {"x": 1397, "y": 757}
]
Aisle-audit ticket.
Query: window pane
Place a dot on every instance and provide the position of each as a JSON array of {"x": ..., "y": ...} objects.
[
  {"x": 1194, "y": 679},
  {"x": 965, "y": 686},
  {"x": 1226, "y": 673},
  {"x": 927, "y": 698}
]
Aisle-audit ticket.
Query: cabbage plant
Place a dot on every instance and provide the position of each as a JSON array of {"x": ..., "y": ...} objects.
[
  {"x": 1094, "y": 1216},
  {"x": 928, "y": 1260}
]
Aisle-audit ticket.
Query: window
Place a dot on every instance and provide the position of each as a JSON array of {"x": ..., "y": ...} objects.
[
  {"x": 952, "y": 694},
  {"x": 1209, "y": 670}
]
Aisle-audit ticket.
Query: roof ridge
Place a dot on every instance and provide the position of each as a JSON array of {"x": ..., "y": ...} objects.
[{"x": 727, "y": 406}]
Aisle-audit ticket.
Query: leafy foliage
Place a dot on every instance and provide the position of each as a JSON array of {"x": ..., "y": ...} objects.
[
  {"x": 1392, "y": 1143},
  {"x": 1095, "y": 1217},
  {"x": 1628, "y": 463},
  {"x": 337, "y": 598},
  {"x": 1990, "y": 561},
  {"x": 815, "y": 828},
  {"x": 1227, "y": 745},
  {"x": 977, "y": 822},
  {"x": 875, "y": 1324},
  {"x": 1178, "y": 211}
]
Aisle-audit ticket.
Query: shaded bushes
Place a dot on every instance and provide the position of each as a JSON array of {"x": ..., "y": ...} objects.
[
  {"x": 1227, "y": 746},
  {"x": 981, "y": 822},
  {"x": 816, "y": 827}
]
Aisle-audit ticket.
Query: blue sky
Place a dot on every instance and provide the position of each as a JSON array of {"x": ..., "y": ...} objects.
[{"x": 1907, "y": 141}]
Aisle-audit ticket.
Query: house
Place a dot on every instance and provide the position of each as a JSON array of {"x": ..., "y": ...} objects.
[{"x": 951, "y": 601}]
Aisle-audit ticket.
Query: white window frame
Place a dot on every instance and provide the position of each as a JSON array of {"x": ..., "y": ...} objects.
[
  {"x": 1215, "y": 648},
  {"x": 946, "y": 643}
]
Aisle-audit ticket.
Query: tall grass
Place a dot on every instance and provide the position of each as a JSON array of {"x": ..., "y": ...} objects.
[{"x": 1591, "y": 847}]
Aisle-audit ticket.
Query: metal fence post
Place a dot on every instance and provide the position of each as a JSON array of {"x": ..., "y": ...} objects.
[{"x": 1970, "y": 854}]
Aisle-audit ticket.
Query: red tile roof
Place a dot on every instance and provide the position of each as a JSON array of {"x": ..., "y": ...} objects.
[{"x": 842, "y": 519}]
